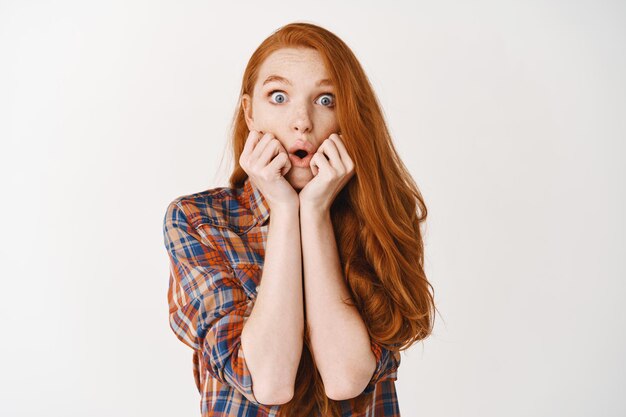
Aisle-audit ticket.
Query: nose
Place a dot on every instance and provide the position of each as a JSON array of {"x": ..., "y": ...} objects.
[{"x": 301, "y": 119}]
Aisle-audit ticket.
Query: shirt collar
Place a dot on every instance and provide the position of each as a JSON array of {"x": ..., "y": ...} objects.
[{"x": 259, "y": 206}]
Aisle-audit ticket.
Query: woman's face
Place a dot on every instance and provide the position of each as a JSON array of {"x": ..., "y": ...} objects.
[{"x": 292, "y": 101}]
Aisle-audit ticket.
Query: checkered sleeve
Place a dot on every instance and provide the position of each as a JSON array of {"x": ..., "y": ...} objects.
[
  {"x": 208, "y": 306},
  {"x": 387, "y": 363}
]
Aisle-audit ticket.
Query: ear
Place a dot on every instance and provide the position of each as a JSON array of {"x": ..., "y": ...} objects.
[{"x": 246, "y": 103}]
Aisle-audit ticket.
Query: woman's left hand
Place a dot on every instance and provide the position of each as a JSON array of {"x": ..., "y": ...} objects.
[{"x": 330, "y": 175}]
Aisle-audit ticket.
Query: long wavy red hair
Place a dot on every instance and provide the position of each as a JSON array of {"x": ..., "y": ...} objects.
[{"x": 376, "y": 217}]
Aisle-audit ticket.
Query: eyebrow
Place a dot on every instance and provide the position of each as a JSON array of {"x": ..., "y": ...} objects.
[{"x": 283, "y": 80}]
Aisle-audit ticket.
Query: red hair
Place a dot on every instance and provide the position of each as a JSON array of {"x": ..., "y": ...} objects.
[{"x": 376, "y": 217}]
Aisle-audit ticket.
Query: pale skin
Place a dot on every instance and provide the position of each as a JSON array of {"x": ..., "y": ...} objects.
[{"x": 300, "y": 235}]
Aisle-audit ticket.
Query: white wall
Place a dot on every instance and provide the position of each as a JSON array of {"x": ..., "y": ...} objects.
[{"x": 510, "y": 116}]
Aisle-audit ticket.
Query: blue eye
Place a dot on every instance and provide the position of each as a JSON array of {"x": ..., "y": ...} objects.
[
  {"x": 329, "y": 103},
  {"x": 326, "y": 101},
  {"x": 277, "y": 91}
]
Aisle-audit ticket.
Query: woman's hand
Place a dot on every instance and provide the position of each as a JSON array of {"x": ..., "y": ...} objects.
[
  {"x": 265, "y": 160},
  {"x": 330, "y": 175}
]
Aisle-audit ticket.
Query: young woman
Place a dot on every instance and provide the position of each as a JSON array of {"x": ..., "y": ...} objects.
[{"x": 299, "y": 284}]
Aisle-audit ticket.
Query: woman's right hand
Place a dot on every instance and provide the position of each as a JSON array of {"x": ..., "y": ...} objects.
[{"x": 266, "y": 161}]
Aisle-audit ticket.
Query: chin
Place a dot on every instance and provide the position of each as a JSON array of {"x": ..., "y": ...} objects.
[
  {"x": 298, "y": 186},
  {"x": 299, "y": 180}
]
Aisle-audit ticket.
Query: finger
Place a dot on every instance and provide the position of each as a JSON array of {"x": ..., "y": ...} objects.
[
  {"x": 260, "y": 146},
  {"x": 338, "y": 141},
  {"x": 253, "y": 138},
  {"x": 330, "y": 148},
  {"x": 280, "y": 163},
  {"x": 251, "y": 141},
  {"x": 271, "y": 149},
  {"x": 320, "y": 162},
  {"x": 313, "y": 166},
  {"x": 345, "y": 156}
]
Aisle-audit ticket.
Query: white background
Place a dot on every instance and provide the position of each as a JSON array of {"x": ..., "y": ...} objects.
[{"x": 510, "y": 116}]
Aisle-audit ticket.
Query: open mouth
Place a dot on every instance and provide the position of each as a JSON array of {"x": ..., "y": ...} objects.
[
  {"x": 301, "y": 158},
  {"x": 301, "y": 153}
]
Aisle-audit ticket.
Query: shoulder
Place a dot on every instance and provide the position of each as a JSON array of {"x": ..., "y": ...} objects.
[{"x": 215, "y": 206}]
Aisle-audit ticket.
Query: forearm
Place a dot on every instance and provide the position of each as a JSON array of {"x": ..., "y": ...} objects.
[
  {"x": 272, "y": 338},
  {"x": 339, "y": 337}
]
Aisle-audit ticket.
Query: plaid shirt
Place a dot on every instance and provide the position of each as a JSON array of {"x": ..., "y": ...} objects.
[{"x": 215, "y": 240}]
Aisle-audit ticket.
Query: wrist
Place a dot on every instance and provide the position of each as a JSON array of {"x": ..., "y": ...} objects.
[
  {"x": 314, "y": 212},
  {"x": 285, "y": 209}
]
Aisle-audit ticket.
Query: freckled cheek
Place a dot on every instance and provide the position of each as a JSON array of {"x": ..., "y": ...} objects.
[
  {"x": 266, "y": 121},
  {"x": 330, "y": 127}
]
